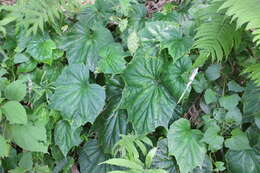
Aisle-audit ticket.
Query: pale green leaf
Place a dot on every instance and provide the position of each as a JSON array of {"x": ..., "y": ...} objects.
[
  {"x": 15, "y": 91},
  {"x": 124, "y": 163},
  {"x": 4, "y": 147},
  {"x": 133, "y": 42},
  {"x": 14, "y": 112},
  {"x": 184, "y": 143},
  {"x": 238, "y": 141},
  {"x": 210, "y": 96},
  {"x": 229, "y": 102},
  {"x": 26, "y": 161},
  {"x": 213, "y": 72},
  {"x": 29, "y": 137}
]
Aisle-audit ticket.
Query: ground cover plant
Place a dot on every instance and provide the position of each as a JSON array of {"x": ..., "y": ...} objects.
[{"x": 130, "y": 86}]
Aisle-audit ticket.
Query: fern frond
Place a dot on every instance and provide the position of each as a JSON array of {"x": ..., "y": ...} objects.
[
  {"x": 245, "y": 12},
  {"x": 254, "y": 72},
  {"x": 216, "y": 36},
  {"x": 33, "y": 15}
]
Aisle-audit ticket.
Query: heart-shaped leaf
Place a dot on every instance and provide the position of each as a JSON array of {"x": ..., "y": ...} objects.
[{"x": 76, "y": 97}]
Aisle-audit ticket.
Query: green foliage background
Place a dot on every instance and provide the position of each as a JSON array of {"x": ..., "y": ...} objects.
[{"x": 130, "y": 86}]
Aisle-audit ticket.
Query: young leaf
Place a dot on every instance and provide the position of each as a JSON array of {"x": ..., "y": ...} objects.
[
  {"x": 133, "y": 42},
  {"x": 15, "y": 91},
  {"x": 14, "y": 112},
  {"x": 184, "y": 143},
  {"x": 76, "y": 97}
]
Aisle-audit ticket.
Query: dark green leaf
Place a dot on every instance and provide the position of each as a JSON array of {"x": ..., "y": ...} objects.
[
  {"x": 41, "y": 49},
  {"x": 245, "y": 161},
  {"x": 162, "y": 160},
  {"x": 112, "y": 59},
  {"x": 66, "y": 136},
  {"x": 251, "y": 99},
  {"x": 206, "y": 167},
  {"x": 175, "y": 77},
  {"x": 76, "y": 97},
  {"x": 91, "y": 155},
  {"x": 83, "y": 44},
  {"x": 148, "y": 102}
]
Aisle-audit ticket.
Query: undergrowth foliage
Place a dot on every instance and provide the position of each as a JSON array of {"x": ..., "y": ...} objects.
[{"x": 130, "y": 86}]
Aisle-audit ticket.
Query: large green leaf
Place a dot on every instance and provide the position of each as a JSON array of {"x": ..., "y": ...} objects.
[
  {"x": 29, "y": 137},
  {"x": 251, "y": 99},
  {"x": 178, "y": 46},
  {"x": 162, "y": 159},
  {"x": 111, "y": 124},
  {"x": 243, "y": 161},
  {"x": 83, "y": 43},
  {"x": 184, "y": 143},
  {"x": 14, "y": 112},
  {"x": 175, "y": 77},
  {"x": 99, "y": 12},
  {"x": 41, "y": 49},
  {"x": 66, "y": 136},
  {"x": 112, "y": 61},
  {"x": 149, "y": 103},
  {"x": 161, "y": 34},
  {"x": 15, "y": 91},
  {"x": 91, "y": 155},
  {"x": 76, "y": 97}
]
